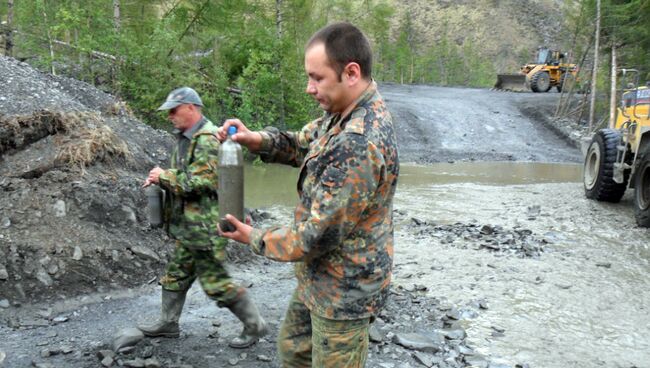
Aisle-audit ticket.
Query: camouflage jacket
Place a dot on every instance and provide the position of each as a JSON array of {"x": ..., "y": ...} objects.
[
  {"x": 342, "y": 233},
  {"x": 191, "y": 207}
]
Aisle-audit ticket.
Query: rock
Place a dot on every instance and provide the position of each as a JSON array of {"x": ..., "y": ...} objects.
[
  {"x": 457, "y": 334},
  {"x": 144, "y": 252},
  {"x": 105, "y": 353},
  {"x": 151, "y": 363},
  {"x": 52, "y": 269},
  {"x": 416, "y": 341},
  {"x": 78, "y": 254},
  {"x": 126, "y": 350},
  {"x": 233, "y": 361},
  {"x": 3, "y": 356},
  {"x": 107, "y": 361},
  {"x": 464, "y": 350},
  {"x": 66, "y": 349},
  {"x": 60, "y": 319},
  {"x": 44, "y": 278},
  {"x": 147, "y": 352},
  {"x": 263, "y": 358},
  {"x": 4, "y": 303},
  {"x": 424, "y": 359},
  {"x": 59, "y": 208},
  {"x": 453, "y": 313},
  {"x": 135, "y": 363},
  {"x": 374, "y": 334},
  {"x": 5, "y": 222},
  {"x": 129, "y": 214},
  {"x": 42, "y": 365},
  {"x": 127, "y": 337},
  {"x": 604, "y": 264},
  {"x": 4, "y": 275},
  {"x": 387, "y": 365},
  {"x": 487, "y": 230}
]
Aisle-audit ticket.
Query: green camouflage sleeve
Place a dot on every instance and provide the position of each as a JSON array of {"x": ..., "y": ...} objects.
[
  {"x": 200, "y": 176},
  {"x": 338, "y": 199}
]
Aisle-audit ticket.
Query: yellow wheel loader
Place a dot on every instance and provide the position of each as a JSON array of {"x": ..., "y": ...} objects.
[
  {"x": 619, "y": 158},
  {"x": 547, "y": 72}
]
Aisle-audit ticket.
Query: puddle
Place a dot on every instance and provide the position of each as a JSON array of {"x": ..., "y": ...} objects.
[{"x": 268, "y": 185}]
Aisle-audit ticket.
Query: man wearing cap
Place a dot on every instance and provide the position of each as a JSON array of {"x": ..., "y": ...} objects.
[{"x": 191, "y": 213}]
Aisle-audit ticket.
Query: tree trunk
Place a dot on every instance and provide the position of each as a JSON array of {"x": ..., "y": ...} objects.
[
  {"x": 9, "y": 41},
  {"x": 116, "y": 16},
  {"x": 279, "y": 31},
  {"x": 594, "y": 73},
  {"x": 612, "y": 97},
  {"x": 49, "y": 41}
]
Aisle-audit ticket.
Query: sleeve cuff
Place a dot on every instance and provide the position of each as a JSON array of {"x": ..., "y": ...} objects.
[
  {"x": 267, "y": 143},
  {"x": 256, "y": 241},
  {"x": 163, "y": 179}
]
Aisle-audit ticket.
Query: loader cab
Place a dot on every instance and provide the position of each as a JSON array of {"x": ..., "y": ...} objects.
[
  {"x": 636, "y": 96},
  {"x": 546, "y": 56}
]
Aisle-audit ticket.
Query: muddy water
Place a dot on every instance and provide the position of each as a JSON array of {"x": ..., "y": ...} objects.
[
  {"x": 583, "y": 303},
  {"x": 268, "y": 185}
]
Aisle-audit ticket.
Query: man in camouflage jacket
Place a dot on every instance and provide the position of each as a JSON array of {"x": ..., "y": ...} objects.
[
  {"x": 342, "y": 233},
  {"x": 191, "y": 212}
]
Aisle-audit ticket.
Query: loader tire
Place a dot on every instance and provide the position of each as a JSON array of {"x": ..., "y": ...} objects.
[
  {"x": 540, "y": 82},
  {"x": 642, "y": 188},
  {"x": 598, "y": 173}
]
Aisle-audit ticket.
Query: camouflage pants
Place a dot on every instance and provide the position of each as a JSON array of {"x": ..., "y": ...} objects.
[
  {"x": 307, "y": 340},
  {"x": 188, "y": 264}
]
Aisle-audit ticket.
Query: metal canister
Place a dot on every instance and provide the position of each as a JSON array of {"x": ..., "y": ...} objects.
[
  {"x": 231, "y": 181},
  {"x": 154, "y": 205}
]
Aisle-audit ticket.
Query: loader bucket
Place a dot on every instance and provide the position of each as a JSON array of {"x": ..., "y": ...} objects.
[{"x": 511, "y": 82}]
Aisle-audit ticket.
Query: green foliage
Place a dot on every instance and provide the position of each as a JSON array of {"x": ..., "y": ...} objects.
[
  {"x": 217, "y": 46},
  {"x": 625, "y": 24}
]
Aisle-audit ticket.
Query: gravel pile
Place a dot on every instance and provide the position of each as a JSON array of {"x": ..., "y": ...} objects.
[{"x": 72, "y": 215}]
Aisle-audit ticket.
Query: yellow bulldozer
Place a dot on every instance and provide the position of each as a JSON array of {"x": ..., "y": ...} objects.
[
  {"x": 546, "y": 72},
  {"x": 618, "y": 158}
]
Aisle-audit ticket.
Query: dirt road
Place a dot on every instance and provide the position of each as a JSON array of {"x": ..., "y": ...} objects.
[
  {"x": 506, "y": 275},
  {"x": 437, "y": 124}
]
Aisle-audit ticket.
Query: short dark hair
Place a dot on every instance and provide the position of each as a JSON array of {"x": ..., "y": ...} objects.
[{"x": 344, "y": 43}]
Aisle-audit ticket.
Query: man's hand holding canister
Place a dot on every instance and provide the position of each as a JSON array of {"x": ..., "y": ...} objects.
[
  {"x": 245, "y": 137},
  {"x": 154, "y": 177},
  {"x": 242, "y": 231}
]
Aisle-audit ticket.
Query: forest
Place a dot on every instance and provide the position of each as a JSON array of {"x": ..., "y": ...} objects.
[{"x": 246, "y": 56}]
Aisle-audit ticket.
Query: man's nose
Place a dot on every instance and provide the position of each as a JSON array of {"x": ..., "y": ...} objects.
[{"x": 310, "y": 88}]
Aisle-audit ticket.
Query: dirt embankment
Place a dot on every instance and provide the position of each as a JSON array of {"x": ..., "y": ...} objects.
[{"x": 71, "y": 209}]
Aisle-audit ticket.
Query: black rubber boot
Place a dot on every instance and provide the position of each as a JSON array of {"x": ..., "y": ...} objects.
[
  {"x": 171, "y": 308},
  {"x": 254, "y": 324}
]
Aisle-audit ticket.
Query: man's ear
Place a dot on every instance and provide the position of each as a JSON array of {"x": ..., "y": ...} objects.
[{"x": 352, "y": 72}]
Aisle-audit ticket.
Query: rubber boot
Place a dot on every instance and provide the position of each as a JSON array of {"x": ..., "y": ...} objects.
[
  {"x": 254, "y": 325},
  {"x": 171, "y": 308}
]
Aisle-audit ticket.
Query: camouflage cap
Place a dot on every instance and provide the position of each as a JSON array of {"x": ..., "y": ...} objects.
[{"x": 179, "y": 96}]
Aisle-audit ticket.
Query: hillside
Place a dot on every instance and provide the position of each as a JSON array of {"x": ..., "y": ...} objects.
[
  {"x": 505, "y": 31},
  {"x": 72, "y": 159}
]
